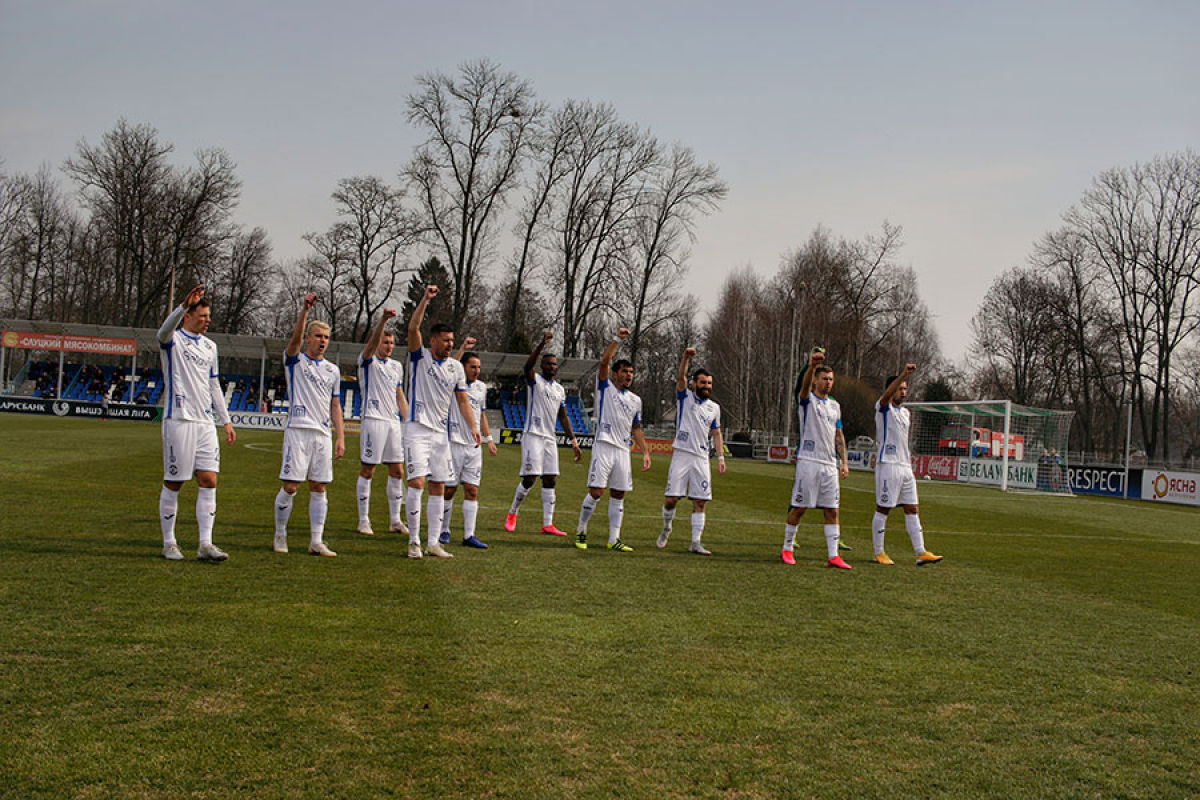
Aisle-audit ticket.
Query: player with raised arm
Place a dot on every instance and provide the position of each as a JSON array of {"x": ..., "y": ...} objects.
[
  {"x": 696, "y": 417},
  {"x": 545, "y": 401},
  {"x": 821, "y": 458},
  {"x": 618, "y": 421},
  {"x": 314, "y": 412},
  {"x": 194, "y": 403},
  {"x": 384, "y": 407},
  {"x": 895, "y": 484},
  {"x": 435, "y": 380},
  {"x": 466, "y": 458}
]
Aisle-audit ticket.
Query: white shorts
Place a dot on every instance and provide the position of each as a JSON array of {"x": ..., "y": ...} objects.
[
  {"x": 895, "y": 485},
  {"x": 690, "y": 475},
  {"x": 816, "y": 485},
  {"x": 610, "y": 468},
  {"x": 307, "y": 455},
  {"x": 189, "y": 447},
  {"x": 427, "y": 453},
  {"x": 381, "y": 441},
  {"x": 539, "y": 455},
  {"x": 466, "y": 464}
]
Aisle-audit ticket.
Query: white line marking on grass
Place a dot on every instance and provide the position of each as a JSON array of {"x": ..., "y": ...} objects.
[{"x": 264, "y": 446}]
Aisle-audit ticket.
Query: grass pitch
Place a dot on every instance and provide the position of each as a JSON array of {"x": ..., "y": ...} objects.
[{"x": 1052, "y": 654}]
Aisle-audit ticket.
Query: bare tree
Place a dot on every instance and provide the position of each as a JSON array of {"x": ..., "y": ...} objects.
[
  {"x": 679, "y": 189},
  {"x": 1013, "y": 331},
  {"x": 477, "y": 124},
  {"x": 1142, "y": 226},
  {"x": 244, "y": 283},
  {"x": 150, "y": 221}
]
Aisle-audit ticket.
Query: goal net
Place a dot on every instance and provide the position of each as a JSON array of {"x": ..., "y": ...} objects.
[{"x": 995, "y": 442}]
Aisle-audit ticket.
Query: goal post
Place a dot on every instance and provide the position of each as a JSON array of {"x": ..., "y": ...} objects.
[{"x": 991, "y": 442}]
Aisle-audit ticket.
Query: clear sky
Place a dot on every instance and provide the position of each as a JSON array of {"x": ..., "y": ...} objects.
[{"x": 974, "y": 126}]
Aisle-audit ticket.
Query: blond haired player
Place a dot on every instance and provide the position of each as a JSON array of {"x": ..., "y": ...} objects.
[
  {"x": 313, "y": 436},
  {"x": 194, "y": 402},
  {"x": 895, "y": 484}
]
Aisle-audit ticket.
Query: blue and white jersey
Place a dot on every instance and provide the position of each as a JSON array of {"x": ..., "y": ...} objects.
[
  {"x": 377, "y": 380},
  {"x": 431, "y": 388},
  {"x": 460, "y": 433},
  {"x": 617, "y": 411},
  {"x": 891, "y": 432},
  {"x": 312, "y": 383},
  {"x": 820, "y": 420},
  {"x": 695, "y": 420},
  {"x": 189, "y": 365},
  {"x": 543, "y": 399}
]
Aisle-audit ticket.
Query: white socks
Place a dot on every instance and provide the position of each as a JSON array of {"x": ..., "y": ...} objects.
[
  {"x": 283, "y": 510},
  {"x": 586, "y": 509},
  {"x": 433, "y": 526},
  {"x": 697, "y": 526},
  {"x": 518, "y": 498},
  {"x": 395, "y": 495},
  {"x": 912, "y": 522},
  {"x": 470, "y": 514},
  {"x": 447, "y": 511},
  {"x": 318, "y": 508},
  {"x": 548, "y": 499},
  {"x": 168, "y": 508},
  {"x": 878, "y": 526},
  {"x": 668, "y": 515},
  {"x": 364, "y": 499},
  {"x": 206, "y": 512},
  {"x": 414, "y": 515},
  {"x": 616, "y": 512},
  {"x": 832, "y": 533},
  {"x": 789, "y": 536}
]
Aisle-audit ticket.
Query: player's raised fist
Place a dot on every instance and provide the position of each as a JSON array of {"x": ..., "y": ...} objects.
[
  {"x": 546, "y": 337},
  {"x": 469, "y": 342},
  {"x": 909, "y": 369},
  {"x": 690, "y": 352},
  {"x": 310, "y": 300},
  {"x": 430, "y": 292},
  {"x": 818, "y": 355},
  {"x": 623, "y": 333},
  {"x": 389, "y": 312},
  {"x": 194, "y": 296}
]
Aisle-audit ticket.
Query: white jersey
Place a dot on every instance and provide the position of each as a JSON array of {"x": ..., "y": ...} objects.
[
  {"x": 311, "y": 384},
  {"x": 543, "y": 399},
  {"x": 431, "y": 389},
  {"x": 695, "y": 420},
  {"x": 189, "y": 364},
  {"x": 891, "y": 431},
  {"x": 618, "y": 411},
  {"x": 377, "y": 380},
  {"x": 820, "y": 420},
  {"x": 477, "y": 397}
]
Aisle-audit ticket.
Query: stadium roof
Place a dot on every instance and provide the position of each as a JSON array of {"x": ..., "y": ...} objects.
[{"x": 236, "y": 346}]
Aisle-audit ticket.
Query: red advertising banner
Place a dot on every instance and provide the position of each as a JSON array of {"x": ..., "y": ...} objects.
[
  {"x": 75, "y": 344},
  {"x": 943, "y": 468}
]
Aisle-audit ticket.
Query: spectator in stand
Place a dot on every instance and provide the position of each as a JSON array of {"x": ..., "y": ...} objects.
[{"x": 142, "y": 399}]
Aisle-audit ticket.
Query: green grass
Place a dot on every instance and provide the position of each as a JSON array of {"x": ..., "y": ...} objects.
[{"x": 1052, "y": 654}]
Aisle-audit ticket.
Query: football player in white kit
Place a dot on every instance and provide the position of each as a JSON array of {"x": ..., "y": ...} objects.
[
  {"x": 696, "y": 418},
  {"x": 314, "y": 410},
  {"x": 435, "y": 381},
  {"x": 894, "y": 481},
  {"x": 545, "y": 402},
  {"x": 381, "y": 441},
  {"x": 466, "y": 458},
  {"x": 821, "y": 459},
  {"x": 194, "y": 402},
  {"x": 618, "y": 420}
]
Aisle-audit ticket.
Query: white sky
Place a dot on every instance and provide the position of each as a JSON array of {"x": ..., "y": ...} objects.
[{"x": 974, "y": 126}]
